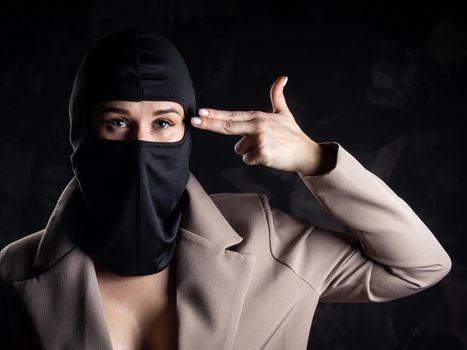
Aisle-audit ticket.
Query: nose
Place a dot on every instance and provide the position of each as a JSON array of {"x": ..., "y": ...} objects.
[{"x": 139, "y": 133}]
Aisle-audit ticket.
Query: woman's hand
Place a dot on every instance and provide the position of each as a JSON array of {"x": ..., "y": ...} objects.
[{"x": 271, "y": 139}]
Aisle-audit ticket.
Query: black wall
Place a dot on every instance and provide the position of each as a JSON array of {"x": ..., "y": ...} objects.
[{"x": 387, "y": 80}]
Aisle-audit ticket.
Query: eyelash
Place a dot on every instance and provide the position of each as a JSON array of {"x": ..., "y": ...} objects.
[{"x": 111, "y": 122}]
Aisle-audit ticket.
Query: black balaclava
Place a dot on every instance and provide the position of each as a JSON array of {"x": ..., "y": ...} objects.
[{"x": 134, "y": 190}]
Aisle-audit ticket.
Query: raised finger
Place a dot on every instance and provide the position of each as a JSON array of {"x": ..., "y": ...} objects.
[
  {"x": 226, "y": 115},
  {"x": 279, "y": 105},
  {"x": 226, "y": 127}
]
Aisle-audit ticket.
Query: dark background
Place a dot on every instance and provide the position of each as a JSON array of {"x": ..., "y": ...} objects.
[{"x": 386, "y": 80}]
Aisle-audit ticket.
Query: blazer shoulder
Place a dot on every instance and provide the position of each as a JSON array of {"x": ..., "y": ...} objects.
[
  {"x": 16, "y": 258},
  {"x": 240, "y": 207}
]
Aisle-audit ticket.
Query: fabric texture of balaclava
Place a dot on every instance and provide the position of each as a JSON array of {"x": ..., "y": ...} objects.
[{"x": 134, "y": 189}]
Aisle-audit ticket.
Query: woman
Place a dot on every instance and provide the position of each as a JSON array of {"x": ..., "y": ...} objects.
[{"x": 136, "y": 254}]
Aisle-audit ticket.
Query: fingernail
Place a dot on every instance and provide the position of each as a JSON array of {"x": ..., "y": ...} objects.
[
  {"x": 203, "y": 112},
  {"x": 196, "y": 120},
  {"x": 285, "y": 81}
]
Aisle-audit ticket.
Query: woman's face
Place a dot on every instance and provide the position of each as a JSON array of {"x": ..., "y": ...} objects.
[{"x": 157, "y": 121}]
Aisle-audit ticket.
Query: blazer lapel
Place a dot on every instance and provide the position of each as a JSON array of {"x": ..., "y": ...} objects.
[
  {"x": 212, "y": 281},
  {"x": 64, "y": 302}
]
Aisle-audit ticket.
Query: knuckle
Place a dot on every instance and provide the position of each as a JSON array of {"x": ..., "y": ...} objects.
[
  {"x": 227, "y": 126},
  {"x": 262, "y": 151},
  {"x": 246, "y": 159},
  {"x": 260, "y": 139},
  {"x": 231, "y": 115},
  {"x": 259, "y": 161},
  {"x": 260, "y": 124},
  {"x": 257, "y": 114}
]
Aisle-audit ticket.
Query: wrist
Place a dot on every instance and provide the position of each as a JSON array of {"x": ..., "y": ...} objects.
[{"x": 323, "y": 161}]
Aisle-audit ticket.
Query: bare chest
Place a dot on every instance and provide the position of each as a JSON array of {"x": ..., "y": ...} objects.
[{"x": 140, "y": 311}]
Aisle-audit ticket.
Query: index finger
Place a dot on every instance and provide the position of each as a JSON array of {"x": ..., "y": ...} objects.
[
  {"x": 227, "y": 127},
  {"x": 226, "y": 115}
]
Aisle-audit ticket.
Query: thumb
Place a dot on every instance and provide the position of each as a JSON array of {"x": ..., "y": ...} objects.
[{"x": 277, "y": 96}]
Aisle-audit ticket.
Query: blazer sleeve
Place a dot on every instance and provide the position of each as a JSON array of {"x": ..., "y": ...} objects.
[{"x": 389, "y": 253}]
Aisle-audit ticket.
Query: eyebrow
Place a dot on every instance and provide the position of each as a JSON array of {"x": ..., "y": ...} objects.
[{"x": 126, "y": 112}]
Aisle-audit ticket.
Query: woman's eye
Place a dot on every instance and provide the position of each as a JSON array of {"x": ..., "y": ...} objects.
[
  {"x": 162, "y": 122},
  {"x": 119, "y": 123}
]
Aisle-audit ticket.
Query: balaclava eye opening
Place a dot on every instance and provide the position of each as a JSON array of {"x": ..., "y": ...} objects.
[
  {"x": 133, "y": 64},
  {"x": 134, "y": 190}
]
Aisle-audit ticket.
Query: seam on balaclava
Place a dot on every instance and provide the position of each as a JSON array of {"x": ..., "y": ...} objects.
[{"x": 138, "y": 66}]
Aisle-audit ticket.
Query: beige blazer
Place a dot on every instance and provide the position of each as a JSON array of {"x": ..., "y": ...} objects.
[{"x": 249, "y": 276}]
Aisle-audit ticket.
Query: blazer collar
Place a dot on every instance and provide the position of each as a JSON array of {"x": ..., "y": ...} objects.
[
  {"x": 202, "y": 217},
  {"x": 212, "y": 282}
]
